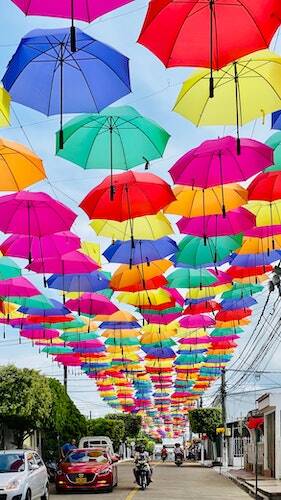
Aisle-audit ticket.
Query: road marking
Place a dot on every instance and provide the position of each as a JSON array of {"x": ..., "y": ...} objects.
[{"x": 132, "y": 493}]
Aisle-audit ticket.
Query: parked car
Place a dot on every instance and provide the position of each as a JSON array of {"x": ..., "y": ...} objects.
[
  {"x": 97, "y": 442},
  {"x": 87, "y": 469},
  {"x": 23, "y": 476}
]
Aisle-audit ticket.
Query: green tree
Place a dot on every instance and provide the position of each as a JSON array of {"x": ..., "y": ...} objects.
[
  {"x": 205, "y": 421},
  {"x": 25, "y": 401},
  {"x": 114, "y": 429},
  {"x": 132, "y": 423}
]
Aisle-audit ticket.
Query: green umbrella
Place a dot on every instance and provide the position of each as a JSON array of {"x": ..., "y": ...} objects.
[
  {"x": 122, "y": 341},
  {"x": 64, "y": 325},
  {"x": 190, "y": 278},
  {"x": 36, "y": 302},
  {"x": 274, "y": 141},
  {"x": 57, "y": 350},
  {"x": 118, "y": 138},
  {"x": 162, "y": 312},
  {"x": 223, "y": 332},
  {"x": 78, "y": 337},
  {"x": 8, "y": 268},
  {"x": 194, "y": 252},
  {"x": 161, "y": 343},
  {"x": 239, "y": 290}
]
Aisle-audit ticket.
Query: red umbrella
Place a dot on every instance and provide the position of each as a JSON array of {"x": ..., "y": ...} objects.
[
  {"x": 202, "y": 307},
  {"x": 134, "y": 194},
  {"x": 151, "y": 284},
  {"x": 201, "y": 32},
  {"x": 235, "y": 314},
  {"x": 245, "y": 272},
  {"x": 266, "y": 186}
]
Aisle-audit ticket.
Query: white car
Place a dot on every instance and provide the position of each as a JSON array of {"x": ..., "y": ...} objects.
[{"x": 23, "y": 476}]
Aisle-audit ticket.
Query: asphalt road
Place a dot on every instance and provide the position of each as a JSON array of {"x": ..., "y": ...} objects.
[{"x": 169, "y": 483}]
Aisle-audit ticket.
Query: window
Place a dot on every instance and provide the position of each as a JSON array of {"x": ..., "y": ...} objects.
[{"x": 38, "y": 460}]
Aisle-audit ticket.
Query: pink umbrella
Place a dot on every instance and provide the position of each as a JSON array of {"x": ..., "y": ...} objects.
[
  {"x": 84, "y": 10},
  {"x": 51, "y": 245},
  {"x": 69, "y": 263},
  {"x": 86, "y": 343},
  {"x": 34, "y": 214},
  {"x": 164, "y": 319},
  {"x": 92, "y": 303},
  {"x": 263, "y": 231},
  {"x": 222, "y": 277},
  {"x": 197, "y": 321},
  {"x": 215, "y": 162},
  {"x": 42, "y": 333},
  {"x": 17, "y": 287},
  {"x": 68, "y": 359},
  {"x": 196, "y": 340},
  {"x": 174, "y": 293},
  {"x": 233, "y": 222}
]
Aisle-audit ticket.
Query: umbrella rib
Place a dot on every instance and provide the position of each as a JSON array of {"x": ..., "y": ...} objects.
[{"x": 116, "y": 130}]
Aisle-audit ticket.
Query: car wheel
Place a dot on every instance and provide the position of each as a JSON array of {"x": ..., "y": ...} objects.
[
  {"x": 28, "y": 495},
  {"x": 46, "y": 494}
]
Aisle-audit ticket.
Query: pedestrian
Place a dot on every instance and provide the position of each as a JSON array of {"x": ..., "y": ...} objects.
[{"x": 67, "y": 447}]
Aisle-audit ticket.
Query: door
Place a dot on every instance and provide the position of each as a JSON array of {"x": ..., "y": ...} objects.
[
  {"x": 41, "y": 475},
  {"x": 32, "y": 475},
  {"x": 270, "y": 420}
]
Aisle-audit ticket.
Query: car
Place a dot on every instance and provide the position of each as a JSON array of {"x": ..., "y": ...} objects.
[
  {"x": 23, "y": 476},
  {"x": 103, "y": 442},
  {"x": 87, "y": 469}
]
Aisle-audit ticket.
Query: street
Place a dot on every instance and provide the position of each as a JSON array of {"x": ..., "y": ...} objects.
[{"x": 172, "y": 483}]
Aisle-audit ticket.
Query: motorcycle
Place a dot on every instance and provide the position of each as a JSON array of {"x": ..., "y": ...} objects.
[
  {"x": 142, "y": 474},
  {"x": 164, "y": 457},
  {"x": 178, "y": 459},
  {"x": 51, "y": 467}
]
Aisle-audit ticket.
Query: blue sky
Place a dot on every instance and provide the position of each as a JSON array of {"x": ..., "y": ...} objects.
[{"x": 154, "y": 92}]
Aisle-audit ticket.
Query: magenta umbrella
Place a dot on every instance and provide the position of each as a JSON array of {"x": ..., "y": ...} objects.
[
  {"x": 263, "y": 231},
  {"x": 215, "y": 162},
  {"x": 197, "y": 321},
  {"x": 69, "y": 263},
  {"x": 17, "y": 287},
  {"x": 68, "y": 359},
  {"x": 41, "y": 333},
  {"x": 233, "y": 222},
  {"x": 34, "y": 214},
  {"x": 86, "y": 343},
  {"x": 83, "y": 10},
  {"x": 196, "y": 340},
  {"x": 92, "y": 303},
  {"x": 51, "y": 245},
  {"x": 222, "y": 277}
]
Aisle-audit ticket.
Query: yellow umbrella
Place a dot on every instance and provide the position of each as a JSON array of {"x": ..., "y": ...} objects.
[
  {"x": 152, "y": 338},
  {"x": 144, "y": 298},
  {"x": 208, "y": 291},
  {"x": 252, "y": 279},
  {"x": 126, "y": 276},
  {"x": 121, "y": 334},
  {"x": 150, "y": 227},
  {"x": 245, "y": 90},
  {"x": 233, "y": 323},
  {"x": 170, "y": 329},
  {"x": 267, "y": 214},
  {"x": 92, "y": 250},
  {"x": 113, "y": 349},
  {"x": 4, "y": 108},
  {"x": 19, "y": 166},
  {"x": 190, "y": 201},
  {"x": 188, "y": 333}
]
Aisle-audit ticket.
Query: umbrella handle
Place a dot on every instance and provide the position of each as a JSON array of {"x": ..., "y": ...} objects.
[
  {"x": 72, "y": 38},
  {"x": 211, "y": 81}
]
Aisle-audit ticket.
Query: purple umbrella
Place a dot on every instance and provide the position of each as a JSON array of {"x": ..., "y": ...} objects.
[
  {"x": 88, "y": 282},
  {"x": 232, "y": 304},
  {"x": 257, "y": 259},
  {"x": 57, "y": 310}
]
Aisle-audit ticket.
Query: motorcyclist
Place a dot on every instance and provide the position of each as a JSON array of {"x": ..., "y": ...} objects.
[
  {"x": 164, "y": 453},
  {"x": 178, "y": 450},
  {"x": 142, "y": 455}
]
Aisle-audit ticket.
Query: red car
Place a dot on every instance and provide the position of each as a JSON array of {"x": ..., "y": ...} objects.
[{"x": 87, "y": 469}]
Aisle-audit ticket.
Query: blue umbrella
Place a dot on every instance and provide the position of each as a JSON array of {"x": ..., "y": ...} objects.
[
  {"x": 256, "y": 259},
  {"x": 144, "y": 250},
  {"x": 276, "y": 120},
  {"x": 119, "y": 325},
  {"x": 92, "y": 282},
  {"x": 44, "y": 74},
  {"x": 57, "y": 310},
  {"x": 232, "y": 304}
]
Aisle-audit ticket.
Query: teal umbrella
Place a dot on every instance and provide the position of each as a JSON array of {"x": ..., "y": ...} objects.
[
  {"x": 8, "y": 268},
  {"x": 274, "y": 141},
  {"x": 239, "y": 290},
  {"x": 190, "y": 278},
  {"x": 118, "y": 138},
  {"x": 195, "y": 252}
]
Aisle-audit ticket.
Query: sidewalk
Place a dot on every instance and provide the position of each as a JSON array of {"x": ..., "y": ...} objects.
[{"x": 267, "y": 488}]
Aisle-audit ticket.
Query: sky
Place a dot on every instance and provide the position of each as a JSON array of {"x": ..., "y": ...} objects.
[{"x": 154, "y": 91}]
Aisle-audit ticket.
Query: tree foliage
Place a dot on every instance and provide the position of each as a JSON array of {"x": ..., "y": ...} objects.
[
  {"x": 205, "y": 421},
  {"x": 132, "y": 423},
  {"x": 114, "y": 429},
  {"x": 25, "y": 400}
]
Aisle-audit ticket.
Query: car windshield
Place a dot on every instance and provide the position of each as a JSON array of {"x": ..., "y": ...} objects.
[
  {"x": 85, "y": 456},
  {"x": 12, "y": 462}
]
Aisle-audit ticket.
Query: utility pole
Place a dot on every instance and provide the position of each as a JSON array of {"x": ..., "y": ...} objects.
[
  {"x": 223, "y": 408},
  {"x": 65, "y": 378}
]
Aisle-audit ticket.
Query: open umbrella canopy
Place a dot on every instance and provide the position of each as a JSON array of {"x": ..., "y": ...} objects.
[
  {"x": 195, "y": 252},
  {"x": 267, "y": 214},
  {"x": 134, "y": 195},
  {"x": 20, "y": 167},
  {"x": 34, "y": 214},
  {"x": 239, "y": 291},
  {"x": 266, "y": 186},
  {"x": 8, "y": 268},
  {"x": 232, "y": 222},
  {"x": 118, "y": 138},
  {"x": 194, "y": 202},
  {"x": 86, "y": 282},
  {"x": 150, "y": 227},
  {"x": 245, "y": 272},
  {"x": 56, "y": 309},
  {"x": 38, "y": 301},
  {"x": 190, "y": 278},
  {"x": 207, "y": 30},
  {"x": 143, "y": 284},
  {"x": 216, "y": 162},
  {"x": 196, "y": 321},
  {"x": 91, "y": 303},
  {"x": 143, "y": 250},
  {"x": 202, "y": 307},
  {"x": 127, "y": 275},
  {"x": 68, "y": 263},
  {"x": 43, "y": 333},
  {"x": 147, "y": 297},
  {"x": 51, "y": 245},
  {"x": 260, "y": 245},
  {"x": 4, "y": 108},
  {"x": 17, "y": 287}
]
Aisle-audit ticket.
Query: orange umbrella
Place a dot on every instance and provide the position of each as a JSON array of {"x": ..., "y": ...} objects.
[
  {"x": 19, "y": 166},
  {"x": 126, "y": 275}
]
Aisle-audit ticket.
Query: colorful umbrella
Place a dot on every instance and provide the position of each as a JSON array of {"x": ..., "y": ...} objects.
[
  {"x": 190, "y": 278},
  {"x": 43, "y": 72},
  {"x": 196, "y": 253},
  {"x": 266, "y": 186},
  {"x": 68, "y": 263},
  {"x": 127, "y": 275},
  {"x": 92, "y": 303},
  {"x": 92, "y": 282},
  {"x": 143, "y": 251},
  {"x": 150, "y": 227}
]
